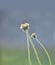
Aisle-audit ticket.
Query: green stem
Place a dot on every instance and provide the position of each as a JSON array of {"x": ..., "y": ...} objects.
[
  {"x": 36, "y": 53},
  {"x": 44, "y": 50},
  {"x": 29, "y": 59}
]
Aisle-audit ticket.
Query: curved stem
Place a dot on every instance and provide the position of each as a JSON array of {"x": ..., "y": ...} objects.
[
  {"x": 29, "y": 59},
  {"x": 36, "y": 53},
  {"x": 44, "y": 50}
]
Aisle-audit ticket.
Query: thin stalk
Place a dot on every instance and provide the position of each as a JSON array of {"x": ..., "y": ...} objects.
[
  {"x": 29, "y": 59},
  {"x": 44, "y": 50},
  {"x": 35, "y": 51}
]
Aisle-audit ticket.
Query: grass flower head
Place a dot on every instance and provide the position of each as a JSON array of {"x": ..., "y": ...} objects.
[
  {"x": 33, "y": 35},
  {"x": 24, "y": 26}
]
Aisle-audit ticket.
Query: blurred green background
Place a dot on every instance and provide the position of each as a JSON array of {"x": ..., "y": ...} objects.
[{"x": 11, "y": 56}]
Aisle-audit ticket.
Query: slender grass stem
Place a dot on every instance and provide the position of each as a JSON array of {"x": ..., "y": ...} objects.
[
  {"x": 29, "y": 59},
  {"x": 36, "y": 53},
  {"x": 44, "y": 50}
]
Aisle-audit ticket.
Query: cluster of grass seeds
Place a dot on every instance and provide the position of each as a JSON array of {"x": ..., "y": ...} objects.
[{"x": 25, "y": 28}]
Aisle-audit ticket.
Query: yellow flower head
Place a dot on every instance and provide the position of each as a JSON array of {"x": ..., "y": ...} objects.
[
  {"x": 24, "y": 26},
  {"x": 33, "y": 35}
]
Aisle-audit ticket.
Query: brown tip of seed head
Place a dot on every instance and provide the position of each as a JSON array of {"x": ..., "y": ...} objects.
[
  {"x": 33, "y": 35},
  {"x": 24, "y": 26}
]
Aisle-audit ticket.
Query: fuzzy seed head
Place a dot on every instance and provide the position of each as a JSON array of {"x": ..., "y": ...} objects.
[
  {"x": 24, "y": 26},
  {"x": 33, "y": 35}
]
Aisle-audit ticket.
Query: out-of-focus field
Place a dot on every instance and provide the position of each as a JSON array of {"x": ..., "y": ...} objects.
[{"x": 19, "y": 56}]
